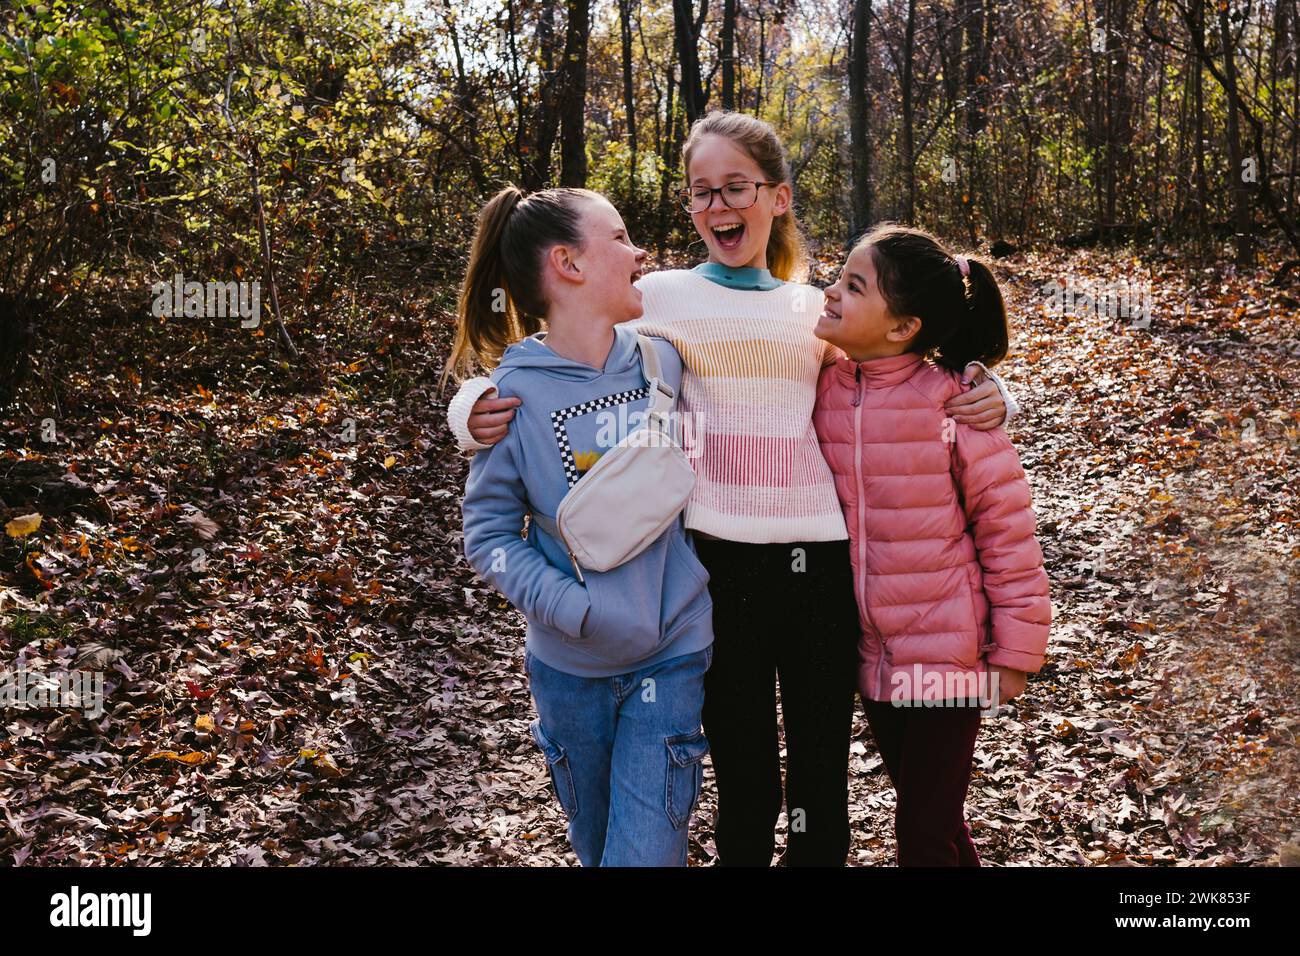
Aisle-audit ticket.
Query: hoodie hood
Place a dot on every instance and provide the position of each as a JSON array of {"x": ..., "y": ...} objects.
[{"x": 533, "y": 352}]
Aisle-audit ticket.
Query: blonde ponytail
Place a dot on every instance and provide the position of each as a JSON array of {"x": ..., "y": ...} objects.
[{"x": 501, "y": 298}]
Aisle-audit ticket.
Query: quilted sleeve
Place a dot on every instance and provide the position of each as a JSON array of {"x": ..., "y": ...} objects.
[{"x": 996, "y": 497}]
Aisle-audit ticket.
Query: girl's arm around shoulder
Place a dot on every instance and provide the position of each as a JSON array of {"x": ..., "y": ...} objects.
[
  {"x": 985, "y": 406},
  {"x": 996, "y": 497},
  {"x": 495, "y": 504},
  {"x": 1013, "y": 407},
  {"x": 460, "y": 408}
]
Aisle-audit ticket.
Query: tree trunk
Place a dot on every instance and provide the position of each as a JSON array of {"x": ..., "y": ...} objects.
[
  {"x": 686, "y": 28},
  {"x": 1295, "y": 109},
  {"x": 1241, "y": 195},
  {"x": 909, "y": 157},
  {"x": 729, "y": 55},
  {"x": 976, "y": 66},
  {"x": 629, "y": 103},
  {"x": 546, "y": 115},
  {"x": 669, "y": 171},
  {"x": 1197, "y": 26},
  {"x": 859, "y": 118},
  {"x": 465, "y": 107},
  {"x": 1118, "y": 108},
  {"x": 573, "y": 97},
  {"x": 1227, "y": 79},
  {"x": 977, "y": 80},
  {"x": 1158, "y": 181}
]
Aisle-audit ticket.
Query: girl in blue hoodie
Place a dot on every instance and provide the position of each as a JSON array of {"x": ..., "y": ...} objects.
[{"x": 615, "y": 661}]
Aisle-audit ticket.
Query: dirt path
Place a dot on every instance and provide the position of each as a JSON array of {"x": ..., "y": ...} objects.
[{"x": 300, "y": 668}]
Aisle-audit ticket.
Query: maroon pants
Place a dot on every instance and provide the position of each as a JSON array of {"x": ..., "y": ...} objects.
[{"x": 928, "y": 752}]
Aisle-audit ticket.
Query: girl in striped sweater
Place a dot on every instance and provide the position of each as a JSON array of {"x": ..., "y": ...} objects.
[{"x": 766, "y": 520}]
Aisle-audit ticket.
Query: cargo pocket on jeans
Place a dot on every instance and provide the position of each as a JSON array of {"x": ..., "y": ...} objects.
[
  {"x": 685, "y": 775},
  {"x": 557, "y": 762}
]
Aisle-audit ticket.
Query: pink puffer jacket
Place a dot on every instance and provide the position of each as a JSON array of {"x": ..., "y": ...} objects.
[{"x": 948, "y": 573}]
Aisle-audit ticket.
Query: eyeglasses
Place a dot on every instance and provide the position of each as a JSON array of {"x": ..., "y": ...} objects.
[{"x": 740, "y": 194}]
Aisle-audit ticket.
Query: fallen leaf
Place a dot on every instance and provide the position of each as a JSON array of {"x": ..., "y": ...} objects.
[
  {"x": 203, "y": 526},
  {"x": 23, "y": 525},
  {"x": 193, "y": 758}
]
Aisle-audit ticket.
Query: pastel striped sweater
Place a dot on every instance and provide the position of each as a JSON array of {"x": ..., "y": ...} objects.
[
  {"x": 752, "y": 364},
  {"x": 751, "y": 368}
]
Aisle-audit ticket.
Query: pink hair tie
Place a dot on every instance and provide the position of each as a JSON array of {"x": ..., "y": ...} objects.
[{"x": 968, "y": 290}]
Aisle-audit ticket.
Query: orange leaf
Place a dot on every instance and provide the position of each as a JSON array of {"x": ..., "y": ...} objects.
[{"x": 192, "y": 758}]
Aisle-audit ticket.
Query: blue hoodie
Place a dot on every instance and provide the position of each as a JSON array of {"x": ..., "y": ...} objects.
[{"x": 651, "y": 608}]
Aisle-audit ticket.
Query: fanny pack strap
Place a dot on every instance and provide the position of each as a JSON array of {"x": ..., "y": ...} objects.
[
  {"x": 661, "y": 393},
  {"x": 547, "y": 524},
  {"x": 661, "y": 403}
]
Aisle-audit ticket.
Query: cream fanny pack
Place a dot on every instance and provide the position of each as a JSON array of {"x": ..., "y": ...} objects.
[{"x": 632, "y": 493}]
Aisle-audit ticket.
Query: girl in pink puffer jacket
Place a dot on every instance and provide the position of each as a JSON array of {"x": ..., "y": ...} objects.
[{"x": 951, "y": 591}]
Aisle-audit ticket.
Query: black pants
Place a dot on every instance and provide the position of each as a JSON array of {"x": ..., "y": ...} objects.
[
  {"x": 784, "y": 610},
  {"x": 928, "y": 753}
]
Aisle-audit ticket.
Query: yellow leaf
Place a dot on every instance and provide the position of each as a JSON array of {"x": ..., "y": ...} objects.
[
  {"x": 23, "y": 525},
  {"x": 326, "y": 767},
  {"x": 205, "y": 723},
  {"x": 389, "y": 462}
]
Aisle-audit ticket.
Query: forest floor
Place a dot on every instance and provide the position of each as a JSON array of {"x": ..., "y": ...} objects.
[{"x": 264, "y": 567}]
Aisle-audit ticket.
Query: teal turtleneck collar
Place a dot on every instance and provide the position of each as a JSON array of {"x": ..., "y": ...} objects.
[{"x": 745, "y": 277}]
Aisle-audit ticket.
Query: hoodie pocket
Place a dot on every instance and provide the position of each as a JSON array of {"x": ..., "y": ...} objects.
[
  {"x": 637, "y": 608},
  {"x": 686, "y": 596},
  {"x": 688, "y": 558},
  {"x": 624, "y": 624}
]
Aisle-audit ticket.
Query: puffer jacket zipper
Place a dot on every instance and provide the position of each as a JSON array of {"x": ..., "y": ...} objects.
[
  {"x": 857, "y": 491},
  {"x": 861, "y": 577}
]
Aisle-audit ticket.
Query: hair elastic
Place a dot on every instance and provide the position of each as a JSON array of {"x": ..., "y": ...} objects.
[{"x": 968, "y": 290}]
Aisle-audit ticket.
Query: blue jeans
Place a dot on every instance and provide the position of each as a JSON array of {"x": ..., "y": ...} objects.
[{"x": 625, "y": 756}]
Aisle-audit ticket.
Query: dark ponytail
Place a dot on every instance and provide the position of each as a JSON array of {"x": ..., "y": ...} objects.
[
  {"x": 501, "y": 298},
  {"x": 962, "y": 321},
  {"x": 981, "y": 335}
]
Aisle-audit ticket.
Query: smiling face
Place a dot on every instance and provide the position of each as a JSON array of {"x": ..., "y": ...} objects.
[
  {"x": 735, "y": 237},
  {"x": 858, "y": 319},
  {"x": 609, "y": 262}
]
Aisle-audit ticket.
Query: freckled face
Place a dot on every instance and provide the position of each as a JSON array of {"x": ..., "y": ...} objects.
[{"x": 610, "y": 261}]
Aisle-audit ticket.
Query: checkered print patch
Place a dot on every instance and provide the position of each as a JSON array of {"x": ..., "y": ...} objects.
[{"x": 560, "y": 417}]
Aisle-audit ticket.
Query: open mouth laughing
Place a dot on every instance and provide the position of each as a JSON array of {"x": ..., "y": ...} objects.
[{"x": 729, "y": 234}]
